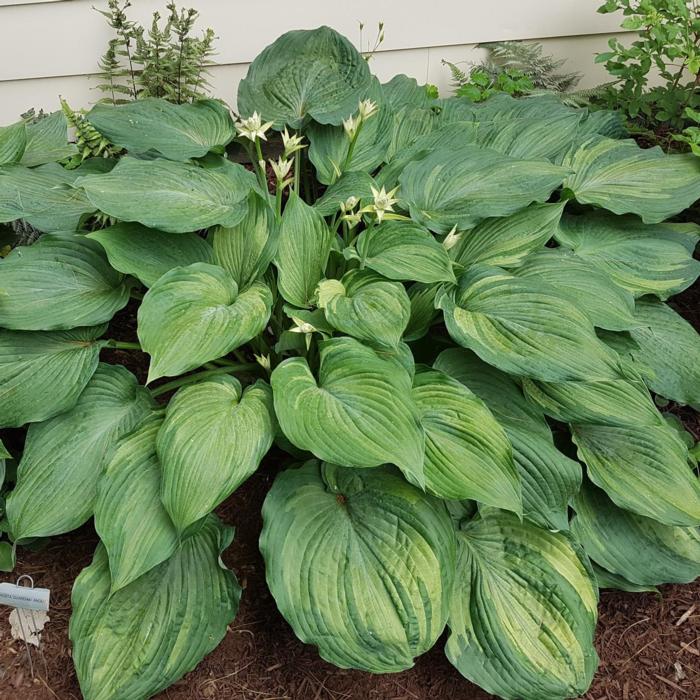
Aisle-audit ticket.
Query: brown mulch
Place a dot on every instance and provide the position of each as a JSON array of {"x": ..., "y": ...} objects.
[{"x": 649, "y": 644}]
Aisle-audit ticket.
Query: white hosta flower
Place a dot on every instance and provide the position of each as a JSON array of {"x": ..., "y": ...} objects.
[
  {"x": 292, "y": 143},
  {"x": 253, "y": 128},
  {"x": 301, "y": 326},
  {"x": 367, "y": 109},
  {"x": 452, "y": 238},
  {"x": 349, "y": 204},
  {"x": 383, "y": 201},
  {"x": 263, "y": 361},
  {"x": 351, "y": 125},
  {"x": 281, "y": 167},
  {"x": 352, "y": 219}
]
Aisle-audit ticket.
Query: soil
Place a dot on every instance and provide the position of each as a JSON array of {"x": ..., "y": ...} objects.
[{"x": 649, "y": 644}]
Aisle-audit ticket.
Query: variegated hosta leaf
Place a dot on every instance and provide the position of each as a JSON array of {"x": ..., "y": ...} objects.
[
  {"x": 606, "y": 579},
  {"x": 172, "y": 197},
  {"x": 134, "y": 643},
  {"x": 549, "y": 478},
  {"x": 359, "y": 562},
  {"x": 62, "y": 281},
  {"x": 643, "y": 468},
  {"x": 64, "y": 457},
  {"x": 505, "y": 241},
  {"x": 47, "y": 141},
  {"x": 423, "y": 311},
  {"x": 402, "y": 250},
  {"x": 314, "y": 73},
  {"x": 302, "y": 253},
  {"x": 213, "y": 438},
  {"x": 44, "y": 197},
  {"x": 175, "y": 131},
  {"x": 358, "y": 413},
  {"x": 147, "y": 253},
  {"x": 366, "y": 306},
  {"x": 42, "y": 374},
  {"x": 13, "y": 140},
  {"x": 247, "y": 249},
  {"x": 129, "y": 517},
  {"x": 620, "y": 401},
  {"x": 624, "y": 178},
  {"x": 523, "y": 612},
  {"x": 462, "y": 185},
  {"x": 645, "y": 259},
  {"x": 354, "y": 183},
  {"x": 641, "y": 550},
  {"x": 195, "y": 314},
  {"x": 670, "y": 347},
  {"x": 606, "y": 304},
  {"x": 467, "y": 453},
  {"x": 523, "y": 326}
]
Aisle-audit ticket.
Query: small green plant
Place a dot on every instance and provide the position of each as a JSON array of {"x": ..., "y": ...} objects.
[
  {"x": 418, "y": 299},
  {"x": 165, "y": 60},
  {"x": 479, "y": 84},
  {"x": 667, "y": 50},
  {"x": 691, "y": 134}
]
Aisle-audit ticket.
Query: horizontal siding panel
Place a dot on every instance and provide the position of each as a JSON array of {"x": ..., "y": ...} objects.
[
  {"x": 424, "y": 64},
  {"x": 66, "y": 38}
]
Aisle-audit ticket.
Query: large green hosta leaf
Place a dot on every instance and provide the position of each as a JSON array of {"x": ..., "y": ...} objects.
[
  {"x": 43, "y": 196},
  {"x": 195, "y": 314},
  {"x": 212, "y": 440},
  {"x": 64, "y": 457},
  {"x": 358, "y": 413},
  {"x": 641, "y": 550},
  {"x": 42, "y": 374},
  {"x": 47, "y": 141},
  {"x": 328, "y": 144},
  {"x": 606, "y": 304},
  {"x": 670, "y": 347},
  {"x": 523, "y": 612},
  {"x": 175, "y": 131},
  {"x": 523, "y": 326},
  {"x": 354, "y": 183},
  {"x": 13, "y": 139},
  {"x": 624, "y": 178},
  {"x": 173, "y": 197},
  {"x": 402, "y": 250},
  {"x": 505, "y": 241},
  {"x": 62, "y": 281},
  {"x": 366, "y": 306},
  {"x": 138, "y": 641},
  {"x": 423, "y": 311},
  {"x": 148, "y": 253},
  {"x": 129, "y": 517},
  {"x": 359, "y": 562},
  {"x": 645, "y": 259},
  {"x": 304, "y": 245},
  {"x": 643, "y": 468},
  {"x": 467, "y": 453},
  {"x": 247, "y": 249},
  {"x": 314, "y": 73},
  {"x": 549, "y": 478},
  {"x": 462, "y": 185}
]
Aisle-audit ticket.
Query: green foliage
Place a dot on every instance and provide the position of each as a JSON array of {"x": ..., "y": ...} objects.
[
  {"x": 445, "y": 309},
  {"x": 165, "y": 60},
  {"x": 667, "y": 46}
]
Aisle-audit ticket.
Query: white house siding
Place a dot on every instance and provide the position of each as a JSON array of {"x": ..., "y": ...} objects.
[{"x": 51, "y": 48}]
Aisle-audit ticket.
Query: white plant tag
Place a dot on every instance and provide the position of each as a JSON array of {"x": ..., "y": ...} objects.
[
  {"x": 27, "y": 625},
  {"x": 24, "y": 597}
]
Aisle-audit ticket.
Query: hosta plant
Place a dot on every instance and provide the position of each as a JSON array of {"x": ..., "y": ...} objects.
[{"x": 449, "y": 316}]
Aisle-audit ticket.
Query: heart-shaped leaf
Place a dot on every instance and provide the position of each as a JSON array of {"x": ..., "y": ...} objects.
[
  {"x": 132, "y": 644},
  {"x": 195, "y": 314},
  {"x": 62, "y": 463},
  {"x": 42, "y": 374},
  {"x": 62, "y": 281},
  {"x": 314, "y": 73},
  {"x": 129, "y": 517},
  {"x": 213, "y": 438},
  {"x": 359, "y": 413},
  {"x": 359, "y": 562},
  {"x": 524, "y": 610}
]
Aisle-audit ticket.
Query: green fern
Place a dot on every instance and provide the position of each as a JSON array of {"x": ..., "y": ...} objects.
[{"x": 89, "y": 141}]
